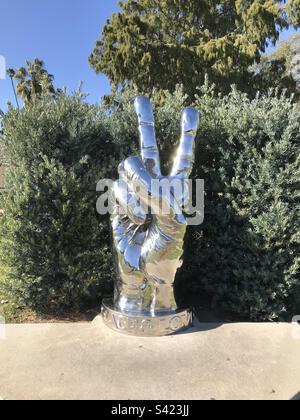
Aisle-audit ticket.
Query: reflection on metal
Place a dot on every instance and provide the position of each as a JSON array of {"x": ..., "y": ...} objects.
[
  {"x": 149, "y": 243},
  {"x": 143, "y": 324}
]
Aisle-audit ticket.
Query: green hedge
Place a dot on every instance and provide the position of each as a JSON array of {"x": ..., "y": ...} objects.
[
  {"x": 52, "y": 240},
  {"x": 2, "y": 167},
  {"x": 245, "y": 256}
]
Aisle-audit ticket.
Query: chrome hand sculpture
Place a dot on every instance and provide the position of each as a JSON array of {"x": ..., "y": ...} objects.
[{"x": 148, "y": 242}]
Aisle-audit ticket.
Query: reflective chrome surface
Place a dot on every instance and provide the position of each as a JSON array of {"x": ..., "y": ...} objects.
[
  {"x": 144, "y": 325},
  {"x": 149, "y": 244}
]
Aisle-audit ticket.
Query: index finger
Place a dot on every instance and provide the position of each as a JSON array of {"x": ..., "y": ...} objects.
[
  {"x": 184, "y": 159},
  {"x": 149, "y": 149}
]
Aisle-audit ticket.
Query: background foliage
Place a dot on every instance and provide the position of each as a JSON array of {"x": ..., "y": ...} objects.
[
  {"x": 56, "y": 248},
  {"x": 247, "y": 252},
  {"x": 33, "y": 81},
  {"x": 162, "y": 43},
  {"x": 281, "y": 69},
  {"x": 244, "y": 258},
  {"x": 2, "y": 167}
]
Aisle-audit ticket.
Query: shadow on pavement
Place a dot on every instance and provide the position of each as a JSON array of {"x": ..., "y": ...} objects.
[
  {"x": 296, "y": 397},
  {"x": 202, "y": 326}
]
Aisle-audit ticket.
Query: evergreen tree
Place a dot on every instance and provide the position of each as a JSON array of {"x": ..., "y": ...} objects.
[
  {"x": 281, "y": 69},
  {"x": 162, "y": 43}
]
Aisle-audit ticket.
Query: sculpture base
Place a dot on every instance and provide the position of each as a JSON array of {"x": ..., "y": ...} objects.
[{"x": 146, "y": 325}]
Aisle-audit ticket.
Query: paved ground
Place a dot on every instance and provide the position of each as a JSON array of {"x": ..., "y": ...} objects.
[{"x": 211, "y": 361}]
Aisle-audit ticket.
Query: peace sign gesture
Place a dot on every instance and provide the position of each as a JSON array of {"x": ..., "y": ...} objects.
[{"x": 148, "y": 241}]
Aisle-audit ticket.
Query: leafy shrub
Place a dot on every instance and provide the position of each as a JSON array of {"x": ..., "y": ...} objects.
[
  {"x": 245, "y": 256},
  {"x": 2, "y": 167},
  {"x": 52, "y": 239}
]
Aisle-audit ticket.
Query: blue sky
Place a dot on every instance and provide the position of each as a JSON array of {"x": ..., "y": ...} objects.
[{"x": 60, "y": 32}]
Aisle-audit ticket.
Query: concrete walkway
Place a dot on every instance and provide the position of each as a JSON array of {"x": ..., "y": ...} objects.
[{"x": 88, "y": 361}]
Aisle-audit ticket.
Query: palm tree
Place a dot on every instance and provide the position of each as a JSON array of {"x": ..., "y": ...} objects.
[
  {"x": 11, "y": 74},
  {"x": 33, "y": 81}
]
